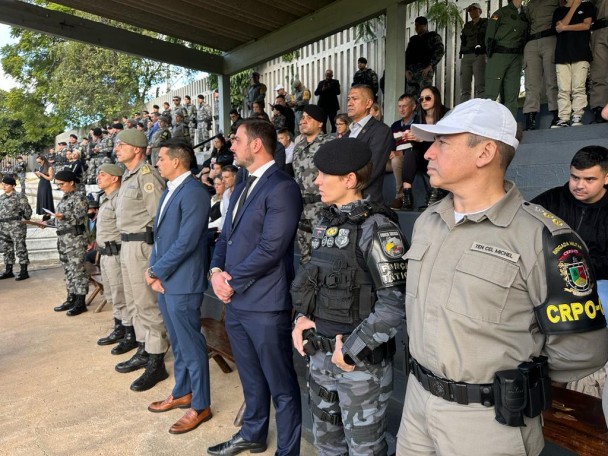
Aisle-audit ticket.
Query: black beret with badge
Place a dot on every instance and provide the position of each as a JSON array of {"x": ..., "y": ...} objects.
[{"x": 342, "y": 156}]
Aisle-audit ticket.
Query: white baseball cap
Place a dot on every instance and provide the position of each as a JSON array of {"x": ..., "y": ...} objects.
[
  {"x": 478, "y": 116},
  {"x": 279, "y": 87}
]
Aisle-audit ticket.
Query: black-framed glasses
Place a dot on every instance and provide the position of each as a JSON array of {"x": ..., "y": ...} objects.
[{"x": 425, "y": 98}]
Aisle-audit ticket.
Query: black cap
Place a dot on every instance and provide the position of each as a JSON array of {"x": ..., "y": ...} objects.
[
  {"x": 316, "y": 112},
  {"x": 421, "y": 20},
  {"x": 342, "y": 156},
  {"x": 10, "y": 180},
  {"x": 97, "y": 131},
  {"x": 67, "y": 176}
]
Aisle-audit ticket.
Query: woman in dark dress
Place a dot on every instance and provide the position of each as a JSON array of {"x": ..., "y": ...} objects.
[{"x": 44, "y": 197}]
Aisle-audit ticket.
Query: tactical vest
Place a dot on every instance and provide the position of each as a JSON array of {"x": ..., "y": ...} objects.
[{"x": 344, "y": 287}]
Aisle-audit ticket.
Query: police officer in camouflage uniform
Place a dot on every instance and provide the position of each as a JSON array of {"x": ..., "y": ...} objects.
[
  {"x": 313, "y": 119},
  {"x": 161, "y": 134},
  {"x": 70, "y": 217},
  {"x": 505, "y": 39},
  {"x": 177, "y": 109},
  {"x": 203, "y": 120},
  {"x": 136, "y": 206},
  {"x": 14, "y": 207},
  {"x": 190, "y": 119},
  {"x": 350, "y": 303},
  {"x": 255, "y": 92},
  {"x": 539, "y": 60},
  {"x": 180, "y": 129},
  {"x": 473, "y": 54},
  {"x": 423, "y": 53},
  {"x": 20, "y": 170}
]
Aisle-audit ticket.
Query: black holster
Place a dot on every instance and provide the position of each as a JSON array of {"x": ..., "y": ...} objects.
[
  {"x": 525, "y": 391},
  {"x": 149, "y": 235}
]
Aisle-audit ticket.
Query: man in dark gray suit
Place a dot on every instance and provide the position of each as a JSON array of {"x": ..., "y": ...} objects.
[{"x": 376, "y": 134}]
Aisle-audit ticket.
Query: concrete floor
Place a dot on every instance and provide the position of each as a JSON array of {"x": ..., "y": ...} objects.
[{"x": 60, "y": 394}]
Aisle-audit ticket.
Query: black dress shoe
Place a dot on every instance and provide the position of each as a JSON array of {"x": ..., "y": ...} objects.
[{"x": 236, "y": 445}]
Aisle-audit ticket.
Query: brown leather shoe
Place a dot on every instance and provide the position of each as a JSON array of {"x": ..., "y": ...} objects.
[
  {"x": 170, "y": 403},
  {"x": 191, "y": 420}
]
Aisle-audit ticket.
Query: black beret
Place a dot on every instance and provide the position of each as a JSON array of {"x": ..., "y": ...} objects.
[
  {"x": 67, "y": 176},
  {"x": 97, "y": 131},
  {"x": 421, "y": 20},
  {"x": 10, "y": 180},
  {"x": 316, "y": 112},
  {"x": 342, "y": 156}
]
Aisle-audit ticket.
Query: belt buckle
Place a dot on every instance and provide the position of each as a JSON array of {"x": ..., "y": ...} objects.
[{"x": 439, "y": 388}]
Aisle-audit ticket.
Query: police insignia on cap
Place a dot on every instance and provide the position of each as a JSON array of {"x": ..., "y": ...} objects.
[
  {"x": 316, "y": 243},
  {"x": 330, "y": 242},
  {"x": 149, "y": 187},
  {"x": 392, "y": 244},
  {"x": 574, "y": 270},
  {"x": 332, "y": 231}
]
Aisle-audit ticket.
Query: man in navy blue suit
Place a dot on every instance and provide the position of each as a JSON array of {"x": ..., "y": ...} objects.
[
  {"x": 251, "y": 271},
  {"x": 177, "y": 274}
]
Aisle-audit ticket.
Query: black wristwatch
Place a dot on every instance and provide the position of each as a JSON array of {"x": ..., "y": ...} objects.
[{"x": 151, "y": 274}]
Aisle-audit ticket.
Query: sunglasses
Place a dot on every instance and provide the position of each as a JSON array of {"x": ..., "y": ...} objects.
[{"x": 427, "y": 98}]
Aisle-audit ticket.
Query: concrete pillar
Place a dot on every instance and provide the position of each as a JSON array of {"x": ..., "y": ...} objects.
[{"x": 223, "y": 82}]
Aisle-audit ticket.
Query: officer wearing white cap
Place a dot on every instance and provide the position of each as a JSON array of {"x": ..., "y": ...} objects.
[
  {"x": 493, "y": 284},
  {"x": 136, "y": 205}
]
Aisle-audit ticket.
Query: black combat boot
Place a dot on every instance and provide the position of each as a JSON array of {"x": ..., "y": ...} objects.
[
  {"x": 67, "y": 305},
  {"x": 436, "y": 195},
  {"x": 127, "y": 343},
  {"x": 555, "y": 119},
  {"x": 597, "y": 117},
  {"x": 22, "y": 273},
  {"x": 530, "y": 121},
  {"x": 408, "y": 199},
  {"x": 8, "y": 273},
  {"x": 79, "y": 306},
  {"x": 155, "y": 372},
  {"x": 137, "y": 361},
  {"x": 116, "y": 335}
]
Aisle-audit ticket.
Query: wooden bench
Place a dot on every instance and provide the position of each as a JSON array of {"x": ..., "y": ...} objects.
[
  {"x": 218, "y": 345},
  {"x": 576, "y": 422},
  {"x": 95, "y": 280}
]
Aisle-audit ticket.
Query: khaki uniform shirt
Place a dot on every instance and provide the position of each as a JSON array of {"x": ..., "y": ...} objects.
[
  {"x": 540, "y": 14},
  {"x": 107, "y": 231},
  {"x": 472, "y": 288},
  {"x": 602, "y": 8},
  {"x": 138, "y": 198}
]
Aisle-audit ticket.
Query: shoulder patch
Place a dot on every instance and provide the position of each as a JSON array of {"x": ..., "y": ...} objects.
[
  {"x": 553, "y": 223},
  {"x": 145, "y": 169},
  {"x": 385, "y": 258},
  {"x": 149, "y": 187}
]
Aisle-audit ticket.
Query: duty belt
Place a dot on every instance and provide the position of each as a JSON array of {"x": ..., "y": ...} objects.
[
  {"x": 543, "y": 34},
  {"x": 77, "y": 230},
  {"x": 600, "y": 24},
  {"x": 463, "y": 393},
  {"x": 506, "y": 50},
  {"x": 108, "y": 251},
  {"x": 131, "y": 237},
  {"x": 309, "y": 198},
  {"x": 375, "y": 356},
  {"x": 10, "y": 219}
]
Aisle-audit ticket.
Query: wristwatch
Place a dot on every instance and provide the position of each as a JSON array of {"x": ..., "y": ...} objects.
[
  {"x": 151, "y": 274},
  {"x": 212, "y": 271}
]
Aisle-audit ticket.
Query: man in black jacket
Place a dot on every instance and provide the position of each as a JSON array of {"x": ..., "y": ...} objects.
[
  {"x": 328, "y": 91},
  {"x": 583, "y": 204}
]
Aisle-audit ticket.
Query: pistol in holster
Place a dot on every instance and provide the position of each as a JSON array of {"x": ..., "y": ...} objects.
[{"x": 525, "y": 391}]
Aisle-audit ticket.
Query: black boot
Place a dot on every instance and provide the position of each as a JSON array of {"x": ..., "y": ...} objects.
[
  {"x": 597, "y": 117},
  {"x": 8, "y": 273},
  {"x": 530, "y": 120},
  {"x": 128, "y": 342},
  {"x": 116, "y": 335},
  {"x": 408, "y": 199},
  {"x": 137, "y": 361},
  {"x": 155, "y": 372},
  {"x": 555, "y": 119},
  {"x": 79, "y": 306},
  {"x": 67, "y": 305},
  {"x": 436, "y": 195},
  {"x": 23, "y": 273}
]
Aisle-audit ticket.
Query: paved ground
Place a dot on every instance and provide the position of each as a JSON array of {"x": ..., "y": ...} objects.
[{"x": 60, "y": 394}]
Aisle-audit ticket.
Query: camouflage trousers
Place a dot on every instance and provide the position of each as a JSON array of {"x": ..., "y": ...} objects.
[
  {"x": 72, "y": 251},
  {"x": 21, "y": 177},
  {"x": 363, "y": 396},
  {"x": 12, "y": 242},
  {"x": 202, "y": 134},
  {"x": 418, "y": 81}
]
